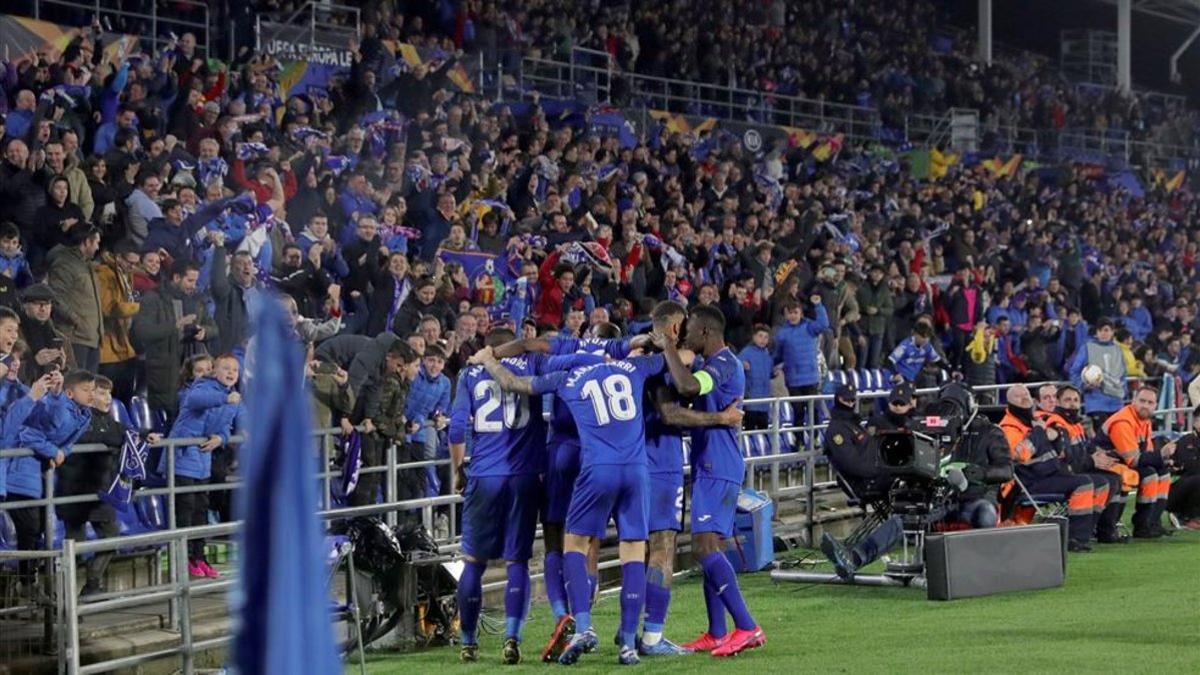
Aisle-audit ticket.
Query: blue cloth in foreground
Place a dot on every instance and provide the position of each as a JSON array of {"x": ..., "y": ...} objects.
[{"x": 283, "y": 623}]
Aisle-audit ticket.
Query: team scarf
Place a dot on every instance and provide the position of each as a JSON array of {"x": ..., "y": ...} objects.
[
  {"x": 590, "y": 252},
  {"x": 249, "y": 150},
  {"x": 134, "y": 452},
  {"x": 212, "y": 169}
]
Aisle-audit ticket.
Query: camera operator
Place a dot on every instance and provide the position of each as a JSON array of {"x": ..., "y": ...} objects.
[
  {"x": 848, "y": 445},
  {"x": 983, "y": 452},
  {"x": 901, "y": 403}
]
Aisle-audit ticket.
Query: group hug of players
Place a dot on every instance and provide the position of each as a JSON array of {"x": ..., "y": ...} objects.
[{"x": 613, "y": 450}]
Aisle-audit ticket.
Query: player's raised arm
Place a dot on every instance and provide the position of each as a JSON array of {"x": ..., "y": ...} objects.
[
  {"x": 681, "y": 375},
  {"x": 504, "y": 377},
  {"x": 538, "y": 345},
  {"x": 677, "y": 415}
]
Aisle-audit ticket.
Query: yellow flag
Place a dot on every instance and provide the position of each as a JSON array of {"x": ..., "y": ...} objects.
[
  {"x": 940, "y": 163},
  {"x": 410, "y": 55}
]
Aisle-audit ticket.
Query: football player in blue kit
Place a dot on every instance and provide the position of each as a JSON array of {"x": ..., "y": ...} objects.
[
  {"x": 503, "y": 493},
  {"x": 563, "y": 466},
  {"x": 604, "y": 399},
  {"x": 664, "y": 452},
  {"x": 717, "y": 474}
]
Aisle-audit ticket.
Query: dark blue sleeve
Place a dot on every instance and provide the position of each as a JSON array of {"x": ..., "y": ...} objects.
[
  {"x": 560, "y": 346},
  {"x": 460, "y": 410},
  {"x": 618, "y": 349},
  {"x": 34, "y": 437},
  {"x": 721, "y": 370},
  {"x": 544, "y": 384},
  {"x": 821, "y": 323},
  {"x": 650, "y": 365},
  {"x": 568, "y": 362}
]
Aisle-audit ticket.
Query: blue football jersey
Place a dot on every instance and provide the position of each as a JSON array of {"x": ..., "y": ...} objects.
[
  {"x": 508, "y": 434},
  {"x": 605, "y": 400},
  {"x": 715, "y": 451},
  {"x": 617, "y": 349},
  {"x": 664, "y": 443},
  {"x": 562, "y": 425}
]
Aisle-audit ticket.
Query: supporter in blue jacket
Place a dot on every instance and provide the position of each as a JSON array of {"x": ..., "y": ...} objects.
[
  {"x": 50, "y": 419},
  {"x": 11, "y": 391},
  {"x": 1138, "y": 321},
  {"x": 1072, "y": 338},
  {"x": 209, "y": 410},
  {"x": 759, "y": 365},
  {"x": 797, "y": 344},
  {"x": 428, "y": 401},
  {"x": 797, "y": 348},
  {"x": 47, "y": 421}
]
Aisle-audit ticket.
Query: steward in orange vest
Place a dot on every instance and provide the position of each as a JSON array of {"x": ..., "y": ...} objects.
[
  {"x": 1077, "y": 450},
  {"x": 1033, "y": 451},
  {"x": 1126, "y": 435}
]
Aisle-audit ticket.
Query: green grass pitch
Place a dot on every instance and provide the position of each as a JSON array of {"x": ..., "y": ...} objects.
[{"x": 1130, "y": 608}]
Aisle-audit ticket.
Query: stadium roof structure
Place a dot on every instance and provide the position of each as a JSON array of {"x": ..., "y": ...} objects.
[
  {"x": 1186, "y": 12},
  {"x": 1183, "y": 12}
]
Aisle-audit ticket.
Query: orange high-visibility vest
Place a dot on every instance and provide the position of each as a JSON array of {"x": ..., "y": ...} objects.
[{"x": 1127, "y": 434}]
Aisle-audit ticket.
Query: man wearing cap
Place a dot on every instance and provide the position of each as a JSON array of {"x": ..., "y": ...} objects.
[
  {"x": 901, "y": 403},
  {"x": 846, "y": 442},
  {"x": 849, "y": 449},
  {"x": 49, "y": 349},
  {"x": 73, "y": 282}
]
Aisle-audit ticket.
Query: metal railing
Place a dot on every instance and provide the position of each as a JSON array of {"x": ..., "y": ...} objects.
[
  {"x": 782, "y": 474},
  {"x": 579, "y": 80},
  {"x": 564, "y": 79},
  {"x": 160, "y": 25},
  {"x": 312, "y": 27}
]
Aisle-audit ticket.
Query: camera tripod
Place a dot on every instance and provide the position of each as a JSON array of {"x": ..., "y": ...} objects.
[{"x": 904, "y": 567}]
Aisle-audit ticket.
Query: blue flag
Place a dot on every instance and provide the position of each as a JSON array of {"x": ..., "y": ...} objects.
[{"x": 283, "y": 622}]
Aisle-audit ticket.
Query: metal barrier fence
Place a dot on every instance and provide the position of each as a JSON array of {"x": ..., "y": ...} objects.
[
  {"x": 179, "y": 20},
  {"x": 62, "y": 617},
  {"x": 581, "y": 78}
]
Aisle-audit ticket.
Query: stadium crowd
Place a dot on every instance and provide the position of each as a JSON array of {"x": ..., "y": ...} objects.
[
  {"x": 899, "y": 57},
  {"x": 147, "y": 201}
]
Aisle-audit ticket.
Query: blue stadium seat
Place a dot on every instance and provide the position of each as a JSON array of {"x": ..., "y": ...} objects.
[
  {"x": 145, "y": 418},
  {"x": 8, "y": 533},
  {"x": 8, "y": 540},
  {"x": 120, "y": 413},
  {"x": 788, "y": 440}
]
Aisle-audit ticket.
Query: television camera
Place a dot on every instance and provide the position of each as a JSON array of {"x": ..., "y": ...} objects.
[{"x": 924, "y": 486}]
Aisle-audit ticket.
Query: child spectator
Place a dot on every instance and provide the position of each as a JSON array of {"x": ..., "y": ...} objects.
[
  {"x": 91, "y": 473},
  {"x": 913, "y": 353},
  {"x": 207, "y": 410},
  {"x": 756, "y": 359},
  {"x": 51, "y": 418},
  {"x": 12, "y": 259}
]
